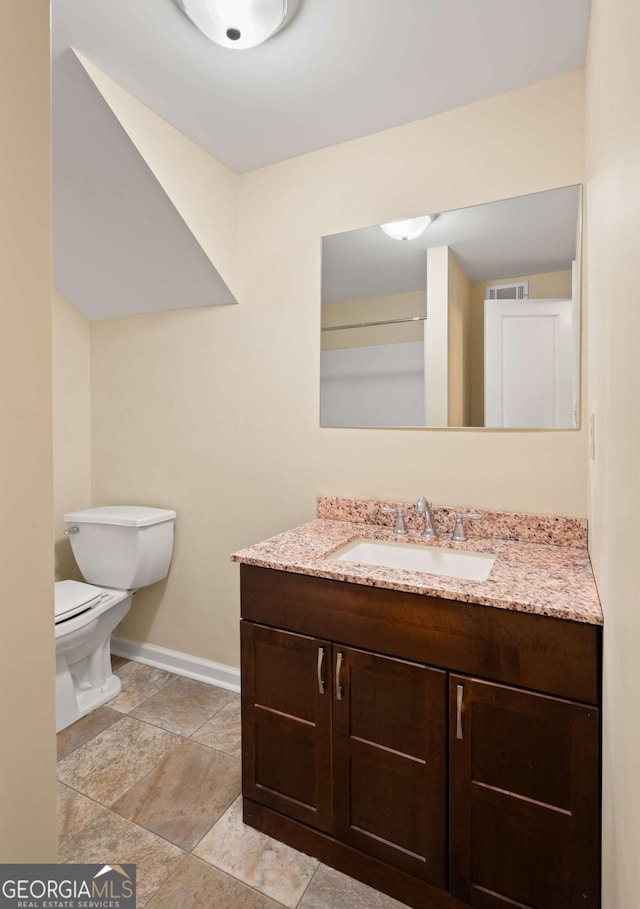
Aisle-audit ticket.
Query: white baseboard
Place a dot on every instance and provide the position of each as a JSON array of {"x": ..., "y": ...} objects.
[{"x": 180, "y": 663}]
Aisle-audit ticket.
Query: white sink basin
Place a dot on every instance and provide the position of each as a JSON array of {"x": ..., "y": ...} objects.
[{"x": 449, "y": 563}]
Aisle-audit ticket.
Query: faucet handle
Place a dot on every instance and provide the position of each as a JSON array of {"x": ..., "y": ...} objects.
[
  {"x": 400, "y": 527},
  {"x": 459, "y": 534}
]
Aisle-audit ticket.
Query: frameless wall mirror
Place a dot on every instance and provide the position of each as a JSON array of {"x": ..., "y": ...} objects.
[{"x": 469, "y": 318}]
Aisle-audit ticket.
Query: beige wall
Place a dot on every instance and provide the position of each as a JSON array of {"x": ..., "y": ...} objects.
[
  {"x": 27, "y": 670},
  {"x": 612, "y": 232},
  {"x": 71, "y": 425},
  {"x": 372, "y": 309},
  {"x": 215, "y": 412},
  {"x": 555, "y": 284},
  {"x": 459, "y": 293}
]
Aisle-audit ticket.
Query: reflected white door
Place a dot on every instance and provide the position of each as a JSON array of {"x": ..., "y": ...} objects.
[{"x": 528, "y": 364}]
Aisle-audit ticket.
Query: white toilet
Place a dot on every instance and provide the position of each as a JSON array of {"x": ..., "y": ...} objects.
[{"x": 118, "y": 548}]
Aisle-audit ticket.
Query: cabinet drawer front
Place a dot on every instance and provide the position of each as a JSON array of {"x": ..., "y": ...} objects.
[
  {"x": 554, "y": 656},
  {"x": 286, "y": 723},
  {"x": 524, "y": 798},
  {"x": 390, "y": 761}
]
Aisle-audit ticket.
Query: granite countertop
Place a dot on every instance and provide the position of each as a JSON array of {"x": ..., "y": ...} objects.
[{"x": 541, "y": 578}]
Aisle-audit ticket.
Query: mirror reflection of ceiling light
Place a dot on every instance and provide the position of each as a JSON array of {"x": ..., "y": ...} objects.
[
  {"x": 239, "y": 24},
  {"x": 407, "y": 230}
]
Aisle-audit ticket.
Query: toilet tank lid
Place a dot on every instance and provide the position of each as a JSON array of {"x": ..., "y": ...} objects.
[{"x": 122, "y": 515}]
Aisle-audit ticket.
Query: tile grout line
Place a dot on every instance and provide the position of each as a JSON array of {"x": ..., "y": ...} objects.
[
  {"x": 219, "y": 710},
  {"x": 151, "y": 770},
  {"x": 185, "y": 738},
  {"x": 175, "y": 870},
  {"x": 185, "y": 856},
  {"x": 61, "y": 840},
  {"x": 168, "y": 685},
  {"x": 311, "y": 880},
  {"x": 134, "y": 824},
  {"x": 124, "y": 716},
  {"x": 209, "y": 831},
  {"x": 233, "y": 877},
  {"x": 153, "y": 694},
  {"x": 217, "y": 750}
]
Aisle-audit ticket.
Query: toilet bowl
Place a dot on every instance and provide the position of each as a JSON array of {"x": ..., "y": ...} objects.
[
  {"x": 84, "y": 680},
  {"x": 118, "y": 550}
]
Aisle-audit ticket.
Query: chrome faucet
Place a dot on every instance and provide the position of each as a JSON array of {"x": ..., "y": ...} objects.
[
  {"x": 459, "y": 534},
  {"x": 400, "y": 529},
  {"x": 424, "y": 507}
]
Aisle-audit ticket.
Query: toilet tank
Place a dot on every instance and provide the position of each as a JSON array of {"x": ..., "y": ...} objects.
[{"x": 122, "y": 546}]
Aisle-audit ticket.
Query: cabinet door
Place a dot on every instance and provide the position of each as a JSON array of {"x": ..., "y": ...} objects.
[
  {"x": 524, "y": 798},
  {"x": 390, "y": 761},
  {"x": 286, "y": 723}
]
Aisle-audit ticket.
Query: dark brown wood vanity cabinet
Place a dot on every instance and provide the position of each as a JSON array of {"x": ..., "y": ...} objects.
[
  {"x": 524, "y": 798},
  {"x": 348, "y": 742},
  {"x": 286, "y": 725},
  {"x": 445, "y": 753}
]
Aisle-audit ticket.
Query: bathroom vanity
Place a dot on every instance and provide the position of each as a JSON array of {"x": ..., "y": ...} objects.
[{"x": 404, "y": 730}]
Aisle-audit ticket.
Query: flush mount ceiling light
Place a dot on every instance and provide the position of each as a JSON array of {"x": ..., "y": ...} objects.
[
  {"x": 239, "y": 24},
  {"x": 407, "y": 230}
]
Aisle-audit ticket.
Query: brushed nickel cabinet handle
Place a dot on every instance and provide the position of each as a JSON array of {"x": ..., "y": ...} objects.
[
  {"x": 339, "y": 659},
  {"x": 459, "y": 697},
  {"x": 321, "y": 682}
]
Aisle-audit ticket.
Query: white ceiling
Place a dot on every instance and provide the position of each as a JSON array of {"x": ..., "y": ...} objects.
[
  {"x": 341, "y": 69},
  {"x": 527, "y": 235}
]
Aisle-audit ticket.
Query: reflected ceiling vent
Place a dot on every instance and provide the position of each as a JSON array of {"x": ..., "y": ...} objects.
[{"x": 239, "y": 24}]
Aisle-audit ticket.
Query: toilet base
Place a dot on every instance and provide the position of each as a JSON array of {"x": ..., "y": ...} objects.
[
  {"x": 84, "y": 678},
  {"x": 72, "y": 705}
]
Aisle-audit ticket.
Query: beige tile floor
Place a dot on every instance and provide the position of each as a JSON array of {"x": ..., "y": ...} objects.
[{"x": 154, "y": 778}]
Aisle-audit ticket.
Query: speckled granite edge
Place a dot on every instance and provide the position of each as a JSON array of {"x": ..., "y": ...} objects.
[{"x": 495, "y": 525}]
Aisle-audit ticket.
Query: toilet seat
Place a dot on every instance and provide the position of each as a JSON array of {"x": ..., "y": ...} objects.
[
  {"x": 73, "y": 597},
  {"x": 86, "y": 617}
]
